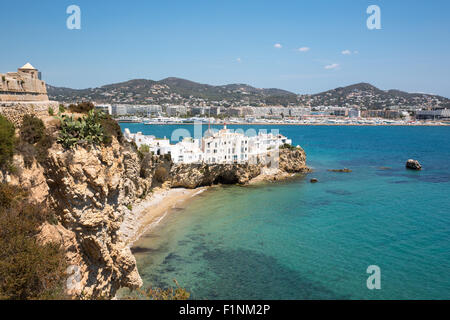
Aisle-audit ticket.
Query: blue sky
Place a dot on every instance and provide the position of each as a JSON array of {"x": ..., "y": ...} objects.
[{"x": 220, "y": 42}]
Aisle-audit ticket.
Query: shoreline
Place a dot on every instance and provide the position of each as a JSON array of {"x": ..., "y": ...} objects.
[{"x": 149, "y": 212}]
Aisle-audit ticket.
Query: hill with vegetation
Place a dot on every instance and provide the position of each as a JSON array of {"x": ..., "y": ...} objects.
[
  {"x": 175, "y": 91},
  {"x": 368, "y": 96},
  {"x": 182, "y": 91}
]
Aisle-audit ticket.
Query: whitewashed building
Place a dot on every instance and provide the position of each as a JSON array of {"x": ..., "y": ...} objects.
[
  {"x": 156, "y": 145},
  {"x": 225, "y": 147},
  {"x": 220, "y": 147},
  {"x": 186, "y": 151}
]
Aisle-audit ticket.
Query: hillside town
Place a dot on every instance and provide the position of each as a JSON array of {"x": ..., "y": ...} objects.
[
  {"x": 179, "y": 114},
  {"x": 360, "y": 104},
  {"x": 356, "y": 104},
  {"x": 215, "y": 147},
  {"x": 175, "y": 100}
]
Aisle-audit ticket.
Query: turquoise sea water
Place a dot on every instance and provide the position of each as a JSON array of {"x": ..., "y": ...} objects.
[{"x": 297, "y": 240}]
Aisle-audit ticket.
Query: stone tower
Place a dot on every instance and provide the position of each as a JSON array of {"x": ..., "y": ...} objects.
[{"x": 22, "y": 86}]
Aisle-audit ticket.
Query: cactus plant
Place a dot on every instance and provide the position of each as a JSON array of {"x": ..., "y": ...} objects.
[{"x": 87, "y": 130}]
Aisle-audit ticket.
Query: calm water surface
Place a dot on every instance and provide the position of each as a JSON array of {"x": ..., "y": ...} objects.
[{"x": 297, "y": 240}]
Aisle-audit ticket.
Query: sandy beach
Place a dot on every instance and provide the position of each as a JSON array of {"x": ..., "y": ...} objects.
[
  {"x": 149, "y": 212},
  {"x": 146, "y": 214}
]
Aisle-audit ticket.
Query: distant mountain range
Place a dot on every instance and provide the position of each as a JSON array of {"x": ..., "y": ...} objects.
[{"x": 181, "y": 91}]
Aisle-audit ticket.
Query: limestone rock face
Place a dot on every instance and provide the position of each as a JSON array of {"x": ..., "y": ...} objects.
[
  {"x": 89, "y": 190},
  {"x": 31, "y": 179},
  {"x": 293, "y": 160},
  {"x": 197, "y": 175},
  {"x": 413, "y": 165}
]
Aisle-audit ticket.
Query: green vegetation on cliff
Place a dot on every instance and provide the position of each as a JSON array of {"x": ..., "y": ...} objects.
[
  {"x": 288, "y": 146},
  {"x": 182, "y": 91},
  {"x": 94, "y": 128},
  {"x": 83, "y": 107},
  {"x": 6, "y": 142},
  {"x": 32, "y": 129},
  {"x": 28, "y": 269},
  {"x": 173, "y": 293},
  {"x": 34, "y": 140}
]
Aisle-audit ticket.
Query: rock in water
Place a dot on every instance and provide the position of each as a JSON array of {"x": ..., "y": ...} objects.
[
  {"x": 314, "y": 180},
  {"x": 413, "y": 165},
  {"x": 345, "y": 170}
]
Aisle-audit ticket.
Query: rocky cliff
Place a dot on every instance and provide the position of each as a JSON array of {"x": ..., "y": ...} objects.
[
  {"x": 92, "y": 190},
  {"x": 89, "y": 189},
  {"x": 196, "y": 175}
]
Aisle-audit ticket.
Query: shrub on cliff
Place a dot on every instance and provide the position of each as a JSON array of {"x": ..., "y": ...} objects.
[
  {"x": 7, "y": 133},
  {"x": 38, "y": 151},
  {"x": 32, "y": 129},
  {"x": 161, "y": 174},
  {"x": 34, "y": 140},
  {"x": 287, "y": 146},
  {"x": 177, "y": 293},
  {"x": 144, "y": 148},
  {"x": 83, "y": 107},
  {"x": 10, "y": 195},
  {"x": 28, "y": 270},
  {"x": 111, "y": 127}
]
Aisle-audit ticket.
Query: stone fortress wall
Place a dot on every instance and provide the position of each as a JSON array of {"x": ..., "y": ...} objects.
[
  {"x": 23, "y": 92},
  {"x": 23, "y": 85},
  {"x": 15, "y": 111}
]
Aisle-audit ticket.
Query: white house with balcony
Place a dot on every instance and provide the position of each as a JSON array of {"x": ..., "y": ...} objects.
[{"x": 224, "y": 146}]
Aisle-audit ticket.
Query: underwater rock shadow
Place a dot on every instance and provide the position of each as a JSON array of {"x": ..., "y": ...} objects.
[
  {"x": 442, "y": 177},
  {"x": 139, "y": 249},
  {"x": 239, "y": 274},
  {"x": 246, "y": 274},
  {"x": 339, "y": 192}
]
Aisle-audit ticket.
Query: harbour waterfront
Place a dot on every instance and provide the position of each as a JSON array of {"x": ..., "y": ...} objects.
[{"x": 297, "y": 240}]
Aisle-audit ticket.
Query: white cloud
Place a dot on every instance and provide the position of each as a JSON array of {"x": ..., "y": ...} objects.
[
  {"x": 304, "y": 49},
  {"x": 331, "y": 66},
  {"x": 349, "y": 52},
  {"x": 278, "y": 45}
]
